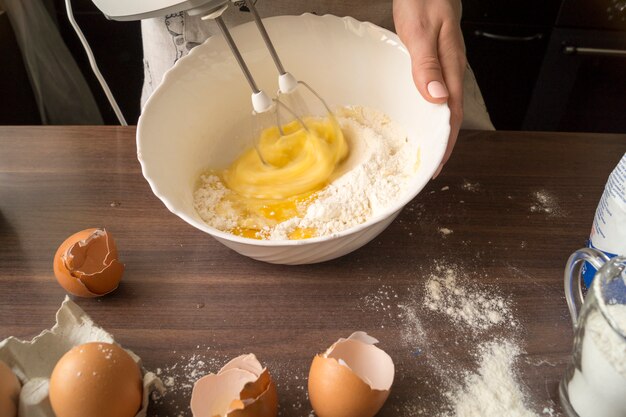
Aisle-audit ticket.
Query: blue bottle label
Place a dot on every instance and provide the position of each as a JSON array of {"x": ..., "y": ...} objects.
[{"x": 588, "y": 271}]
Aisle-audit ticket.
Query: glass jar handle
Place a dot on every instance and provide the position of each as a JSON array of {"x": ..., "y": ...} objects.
[{"x": 574, "y": 293}]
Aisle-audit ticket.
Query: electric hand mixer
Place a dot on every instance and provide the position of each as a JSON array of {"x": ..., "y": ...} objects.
[{"x": 294, "y": 100}]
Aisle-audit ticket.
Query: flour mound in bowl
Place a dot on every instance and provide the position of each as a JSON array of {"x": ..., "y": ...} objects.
[{"x": 375, "y": 174}]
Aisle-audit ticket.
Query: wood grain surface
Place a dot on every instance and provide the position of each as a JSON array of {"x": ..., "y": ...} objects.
[{"x": 187, "y": 304}]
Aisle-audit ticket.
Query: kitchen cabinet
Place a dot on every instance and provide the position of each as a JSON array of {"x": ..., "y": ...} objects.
[
  {"x": 582, "y": 83},
  {"x": 506, "y": 43},
  {"x": 550, "y": 65},
  {"x": 506, "y": 61}
]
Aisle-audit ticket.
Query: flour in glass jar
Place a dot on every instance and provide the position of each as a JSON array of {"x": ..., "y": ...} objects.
[{"x": 375, "y": 174}]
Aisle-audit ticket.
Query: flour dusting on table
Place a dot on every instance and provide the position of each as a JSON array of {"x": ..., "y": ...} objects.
[
  {"x": 179, "y": 377},
  {"x": 450, "y": 291},
  {"x": 492, "y": 390},
  {"x": 462, "y": 345},
  {"x": 546, "y": 202}
]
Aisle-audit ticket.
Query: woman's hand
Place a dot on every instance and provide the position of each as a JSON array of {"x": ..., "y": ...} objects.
[{"x": 431, "y": 31}]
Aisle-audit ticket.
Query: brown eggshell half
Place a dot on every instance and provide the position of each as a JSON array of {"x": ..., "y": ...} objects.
[
  {"x": 86, "y": 264},
  {"x": 265, "y": 405},
  {"x": 97, "y": 380},
  {"x": 242, "y": 388},
  {"x": 251, "y": 364},
  {"x": 247, "y": 362},
  {"x": 9, "y": 391},
  {"x": 217, "y": 394},
  {"x": 255, "y": 389},
  {"x": 351, "y": 379}
]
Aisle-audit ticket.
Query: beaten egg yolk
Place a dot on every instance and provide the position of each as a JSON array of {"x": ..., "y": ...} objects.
[{"x": 280, "y": 185}]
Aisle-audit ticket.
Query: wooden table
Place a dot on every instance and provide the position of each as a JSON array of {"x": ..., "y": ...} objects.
[{"x": 186, "y": 302}]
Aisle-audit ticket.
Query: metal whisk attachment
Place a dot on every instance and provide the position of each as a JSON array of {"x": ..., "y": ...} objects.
[{"x": 295, "y": 99}]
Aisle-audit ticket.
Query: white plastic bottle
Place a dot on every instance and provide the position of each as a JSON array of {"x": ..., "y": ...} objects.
[{"x": 608, "y": 232}]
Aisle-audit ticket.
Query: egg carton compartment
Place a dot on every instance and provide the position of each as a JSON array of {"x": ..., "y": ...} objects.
[{"x": 34, "y": 360}]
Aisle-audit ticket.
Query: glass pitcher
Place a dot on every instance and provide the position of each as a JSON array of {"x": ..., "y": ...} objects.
[{"x": 595, "y": 382}]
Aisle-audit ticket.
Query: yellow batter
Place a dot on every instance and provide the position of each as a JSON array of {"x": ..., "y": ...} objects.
[{"x": 280, "y": 186}]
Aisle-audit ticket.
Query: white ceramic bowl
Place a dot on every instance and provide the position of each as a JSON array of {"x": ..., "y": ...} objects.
[{"x": 198, "y": 117}]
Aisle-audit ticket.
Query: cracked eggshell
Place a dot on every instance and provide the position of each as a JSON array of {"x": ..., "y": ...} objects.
[
  {"x": 351, "y": 379},
  {"x": 9, "y": 391},
  {"x": 242, "y": 388},
  {"x": 34, "y": 360},
  {"x": 98, "y": 380},
  {"x": 86, "y": 264}
]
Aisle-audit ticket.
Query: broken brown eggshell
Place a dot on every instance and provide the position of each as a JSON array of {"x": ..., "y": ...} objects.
[
  {"x": 86, "y": 264},
  {"x": 242, "y": 388},
  {"x": 351, "y": 379}
]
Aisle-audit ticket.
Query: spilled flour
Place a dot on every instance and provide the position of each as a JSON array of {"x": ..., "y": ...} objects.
[
  {"x": 374, "y": 175},
  {"x": 445, "y": 231},
  {"x": 470, "y": 186},
  {"x": 448, "y": 322},
  {"x": 450, "y": 291},
  {"x": 179, "y": 378},
  {"x": 545, "y": 202},
  {"x": 491, "y": 391}
]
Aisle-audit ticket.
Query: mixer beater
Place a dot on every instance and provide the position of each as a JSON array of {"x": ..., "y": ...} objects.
[{"x": 295, "y": 101}]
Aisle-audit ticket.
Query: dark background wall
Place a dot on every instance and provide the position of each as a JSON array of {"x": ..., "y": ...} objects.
[
  {"x": 541, "y": 64},
  {"x": 118, "y": 51},
  {"x": 117, "y": 47}
]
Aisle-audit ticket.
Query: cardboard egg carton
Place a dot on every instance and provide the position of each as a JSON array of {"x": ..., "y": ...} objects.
[{"x": 34, "y": 360}]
